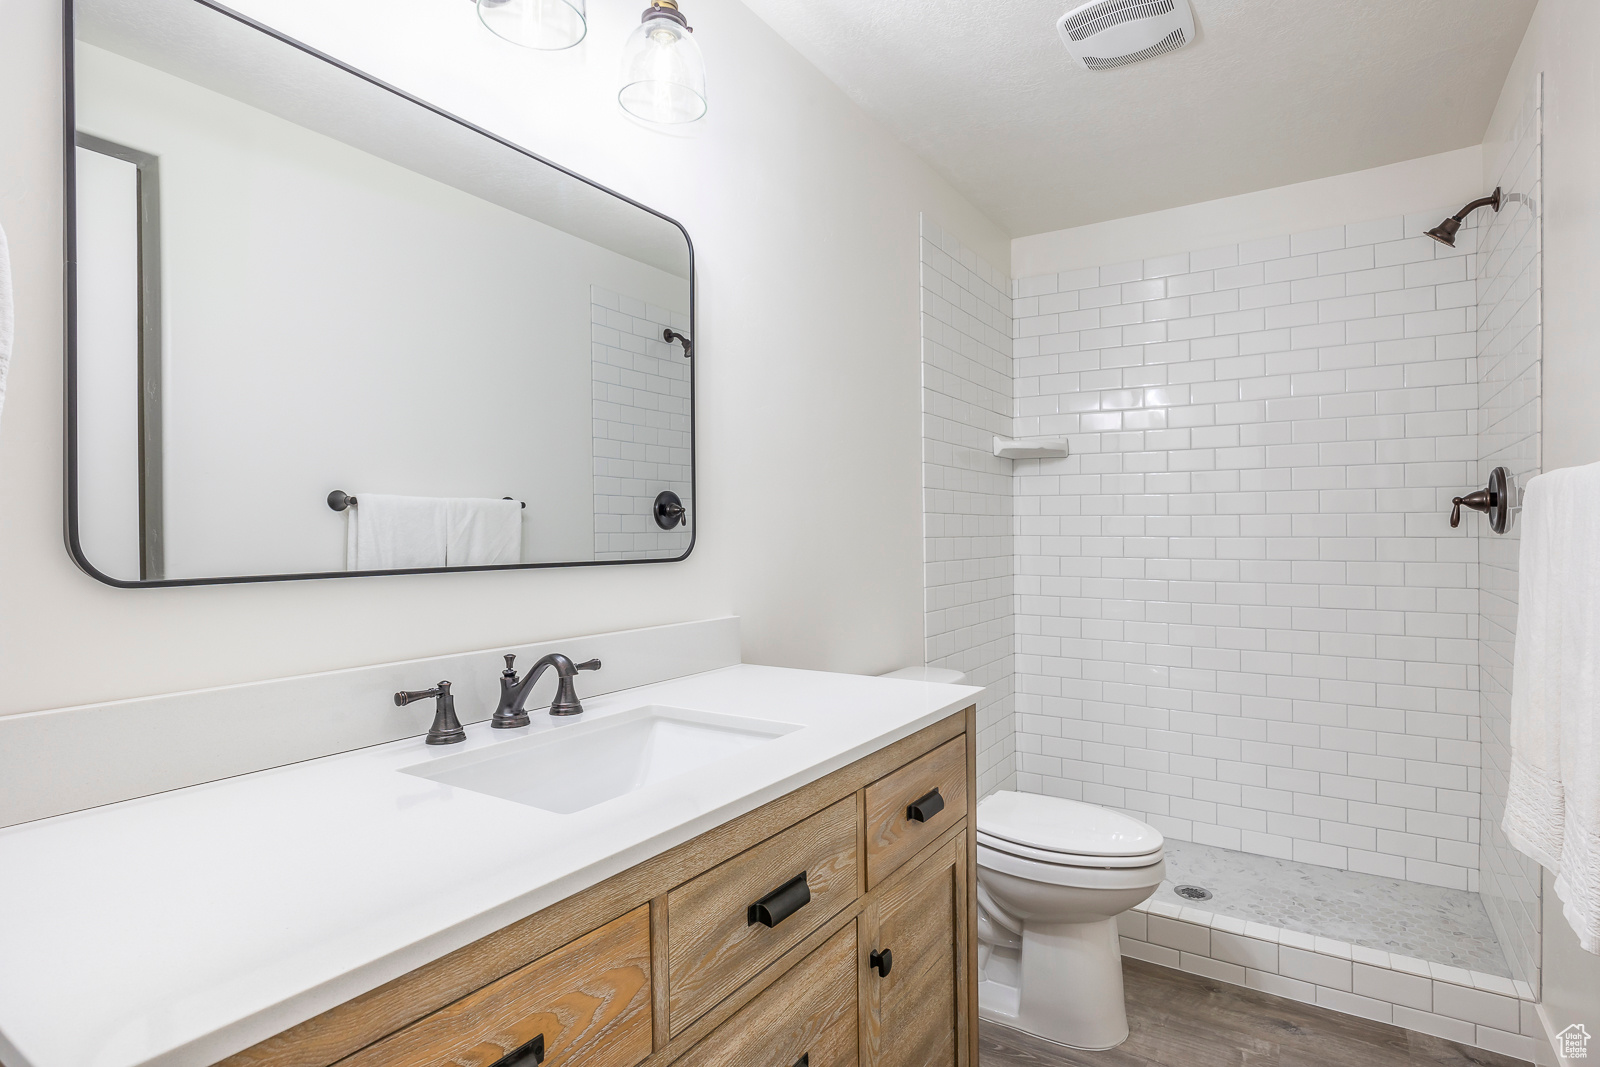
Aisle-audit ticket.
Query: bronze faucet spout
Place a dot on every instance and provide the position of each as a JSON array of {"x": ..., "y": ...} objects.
[{"x": 511, "y": 712}]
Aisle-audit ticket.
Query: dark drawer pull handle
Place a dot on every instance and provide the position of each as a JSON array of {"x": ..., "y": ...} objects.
[
  {"x": 781, "y": 903},
  {"x": 925, "y": 807},
  {"x": 804, "y": 1060},
  {"x": 529, "y": 1055},
  {"x": 881, "y": 961}
]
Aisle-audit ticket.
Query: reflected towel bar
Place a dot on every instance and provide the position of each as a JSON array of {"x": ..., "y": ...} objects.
[{"x": 338, "y": 500}]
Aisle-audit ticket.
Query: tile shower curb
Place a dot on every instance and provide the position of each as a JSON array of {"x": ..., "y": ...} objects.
[{"x": 1469, "y": 1007}]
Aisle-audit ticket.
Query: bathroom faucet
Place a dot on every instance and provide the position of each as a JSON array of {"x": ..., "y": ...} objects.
[{"x": 514, "y": 692}]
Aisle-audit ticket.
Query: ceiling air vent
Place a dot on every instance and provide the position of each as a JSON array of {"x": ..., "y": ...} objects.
[{"x": 1105, "y": 34}]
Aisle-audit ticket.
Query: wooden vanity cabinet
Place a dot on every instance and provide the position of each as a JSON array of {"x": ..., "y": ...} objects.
[{"x": 834, "y": 924}]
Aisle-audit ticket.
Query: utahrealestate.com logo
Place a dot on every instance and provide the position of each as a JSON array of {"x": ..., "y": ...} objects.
[{"x": 1573, "y": 1043}]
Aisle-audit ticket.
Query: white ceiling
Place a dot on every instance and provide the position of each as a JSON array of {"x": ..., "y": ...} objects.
[{"x": 1272, "y": 92}]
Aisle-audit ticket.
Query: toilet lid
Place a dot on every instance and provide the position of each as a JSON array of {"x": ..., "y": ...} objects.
[{"x": 1056, "y": 825}]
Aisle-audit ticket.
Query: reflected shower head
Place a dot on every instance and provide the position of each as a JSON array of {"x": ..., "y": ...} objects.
[{"x": 1445, "y": 232}]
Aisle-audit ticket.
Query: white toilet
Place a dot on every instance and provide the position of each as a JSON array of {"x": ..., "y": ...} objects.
[{"x": 1053, "y": 875}]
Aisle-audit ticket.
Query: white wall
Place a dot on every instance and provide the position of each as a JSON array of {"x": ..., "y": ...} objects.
[
  {"x": 334, "y": 321},
  {"x": 1360, "y": 196},
  {"x": 1563, "y": 43},
  {"x": 108, "y": 362},
  {"x": 804, "y": 216}
]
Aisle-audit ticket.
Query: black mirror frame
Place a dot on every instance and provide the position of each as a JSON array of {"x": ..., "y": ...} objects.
[{"x": 69, "y": 215}]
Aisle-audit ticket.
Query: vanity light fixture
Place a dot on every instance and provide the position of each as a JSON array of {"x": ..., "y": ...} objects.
[
  {"x": 663, "y": 73},
  {"x": 545, "y": 25}
]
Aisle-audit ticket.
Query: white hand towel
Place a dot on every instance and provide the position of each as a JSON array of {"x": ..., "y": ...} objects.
[
  {"x": 396, "y": 532},
  {"x": 7, "y": 319},
  {"x": 1553, "y": 799},
  {"x": 483, "y": 532}
]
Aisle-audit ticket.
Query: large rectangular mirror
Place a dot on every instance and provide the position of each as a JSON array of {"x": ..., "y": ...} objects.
[{"x": 318, "y": 327}]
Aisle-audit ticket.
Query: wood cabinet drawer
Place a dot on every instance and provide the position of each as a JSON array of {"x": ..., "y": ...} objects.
[
  {"x": 810, "y": 1012},
  {"x": 590, "y": 1000},
  {"x": 895, "y": 832},
  {"x": 715, "y": 941}
]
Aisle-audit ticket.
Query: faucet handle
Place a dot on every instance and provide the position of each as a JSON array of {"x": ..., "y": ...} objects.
[
  {"x": 587, "y": 665},
  {"x": 511, "y": 670},
  {"x": 446, "y": 728},
  {"x": 407, "y": 696}
]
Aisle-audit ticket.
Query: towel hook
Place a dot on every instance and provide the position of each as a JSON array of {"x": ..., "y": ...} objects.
[{"x": 1493, "y": 500}]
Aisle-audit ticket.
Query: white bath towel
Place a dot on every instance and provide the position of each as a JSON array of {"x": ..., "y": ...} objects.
[
  {"x": 483, "y": 532},
  {"x": 1553, "y": 799},
  {"x": 7, "y": 318},
  {"x": 396, "y": 532}
]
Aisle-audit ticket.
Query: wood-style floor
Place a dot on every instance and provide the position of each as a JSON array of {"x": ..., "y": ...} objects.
[{"x": 1184, "y": 1020}]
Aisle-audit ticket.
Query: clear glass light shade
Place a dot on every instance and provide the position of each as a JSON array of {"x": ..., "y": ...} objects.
[
  {"x": 548, "y": 25},
  {"x": 663, "y": 73}
]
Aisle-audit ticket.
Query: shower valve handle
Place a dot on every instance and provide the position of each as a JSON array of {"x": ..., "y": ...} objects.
[
  {"x": 1482, "y": 500},
  {"x": 1497, "y": 500}
]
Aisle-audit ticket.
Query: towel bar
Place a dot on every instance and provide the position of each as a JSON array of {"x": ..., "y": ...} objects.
[{"x": 338, "y": 500}]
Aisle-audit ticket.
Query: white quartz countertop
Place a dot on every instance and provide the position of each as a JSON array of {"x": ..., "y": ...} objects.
[{"x": 179, "y": 928}]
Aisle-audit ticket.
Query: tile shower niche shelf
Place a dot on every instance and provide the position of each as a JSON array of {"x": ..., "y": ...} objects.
[{"x": 1031, "y": 448}]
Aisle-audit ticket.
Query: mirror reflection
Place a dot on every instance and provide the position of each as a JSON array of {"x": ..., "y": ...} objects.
[{"x": 322, "y": 328}]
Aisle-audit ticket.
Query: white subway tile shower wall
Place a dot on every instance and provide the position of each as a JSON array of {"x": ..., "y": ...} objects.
[
  {"x": 1509, "y": 340},
  {"x": 966, "y": 489},
  {"x": 1241, "y": 613},
  {"x": 641, "y": 426}
]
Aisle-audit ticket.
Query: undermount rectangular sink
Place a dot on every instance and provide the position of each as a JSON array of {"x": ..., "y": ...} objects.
[{"x": 578, "y": 766}]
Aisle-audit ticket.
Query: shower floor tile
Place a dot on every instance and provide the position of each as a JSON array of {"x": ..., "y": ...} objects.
[{"x": 1444, "y": 926}]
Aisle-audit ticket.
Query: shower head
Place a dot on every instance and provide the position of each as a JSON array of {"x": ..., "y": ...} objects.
[{"x": 1445, "y": 232}]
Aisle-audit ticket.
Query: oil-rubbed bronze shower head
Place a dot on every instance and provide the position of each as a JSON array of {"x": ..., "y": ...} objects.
[{"x": 1445, "y": 232}]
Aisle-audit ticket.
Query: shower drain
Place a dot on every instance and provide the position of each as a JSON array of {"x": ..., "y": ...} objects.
[{"x": 1193, "y": 892}]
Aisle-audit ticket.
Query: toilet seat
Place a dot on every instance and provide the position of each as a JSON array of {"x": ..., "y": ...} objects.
[
  {"x": 1066, "y": 859},
  {"x": 1061, "y": 832},
  {"x": 1076, "y": 875}
]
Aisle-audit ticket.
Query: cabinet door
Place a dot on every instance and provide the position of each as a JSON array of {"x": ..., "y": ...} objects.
[{"x": 916, "y": 1014}]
